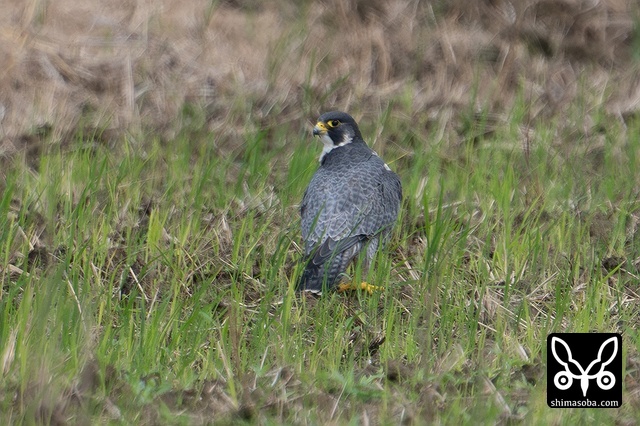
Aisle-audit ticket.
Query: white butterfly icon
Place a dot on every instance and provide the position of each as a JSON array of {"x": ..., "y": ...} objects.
[{"x": 564, "y": 379}]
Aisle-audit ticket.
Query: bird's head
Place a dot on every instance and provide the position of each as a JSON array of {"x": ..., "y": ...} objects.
[
  {"x": 337, "y": 126},
  {"x": 336, "y": 129}
]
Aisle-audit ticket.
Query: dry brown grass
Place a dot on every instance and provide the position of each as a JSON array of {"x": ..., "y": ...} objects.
[{"x": 130, "y": 66}]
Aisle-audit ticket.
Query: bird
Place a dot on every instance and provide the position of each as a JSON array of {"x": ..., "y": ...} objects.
[{"x": 348, "y": 208}]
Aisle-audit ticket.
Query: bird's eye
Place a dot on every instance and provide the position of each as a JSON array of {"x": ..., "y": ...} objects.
[{"x": 333, "y": 123}]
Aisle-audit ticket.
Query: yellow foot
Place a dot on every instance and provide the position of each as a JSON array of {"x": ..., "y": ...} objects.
[{"x": 369, "y": 288}]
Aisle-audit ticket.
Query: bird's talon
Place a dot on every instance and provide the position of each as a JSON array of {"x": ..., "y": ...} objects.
[
  {"x": 369, "y": 288},
  {"x": 345, "y": 287}
]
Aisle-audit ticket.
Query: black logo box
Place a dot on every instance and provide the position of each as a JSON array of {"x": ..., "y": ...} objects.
[{"x": 584, "y": 369}]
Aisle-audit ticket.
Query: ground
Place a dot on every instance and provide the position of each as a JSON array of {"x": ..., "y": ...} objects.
[{"x": 152, "y": 158}]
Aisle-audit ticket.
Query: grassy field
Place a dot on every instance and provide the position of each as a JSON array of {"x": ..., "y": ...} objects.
[
  {"x": 147, "y": 276},
  {"x": 156, "y": 285}
]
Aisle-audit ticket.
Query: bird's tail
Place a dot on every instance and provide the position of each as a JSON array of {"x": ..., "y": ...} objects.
[
  {"x": 324, "y": 268},
  {"x": 325, "y": 276}
]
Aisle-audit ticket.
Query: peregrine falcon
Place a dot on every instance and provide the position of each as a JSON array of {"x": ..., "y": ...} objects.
[{"x": 351, "y": 204}]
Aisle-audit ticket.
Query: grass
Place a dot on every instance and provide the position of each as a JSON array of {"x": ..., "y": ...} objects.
[
  {"x": 152, "y": 281},
  {"x": 146, "y": 276}
]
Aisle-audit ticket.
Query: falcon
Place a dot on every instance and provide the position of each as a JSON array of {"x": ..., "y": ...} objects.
[{"x": 349, "y": 207}]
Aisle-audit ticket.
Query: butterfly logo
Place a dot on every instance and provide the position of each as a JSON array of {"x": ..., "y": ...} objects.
[{"x": 564, "y": 379}]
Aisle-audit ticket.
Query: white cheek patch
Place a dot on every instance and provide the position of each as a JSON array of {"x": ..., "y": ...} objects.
[
  {"x": 328, "y": 144},
  {"x": 346, "y": 138}
]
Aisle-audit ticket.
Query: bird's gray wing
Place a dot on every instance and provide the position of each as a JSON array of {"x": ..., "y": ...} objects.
[
  {"x": 332, "y": 210},
  {"x": 340, "y": 213}
]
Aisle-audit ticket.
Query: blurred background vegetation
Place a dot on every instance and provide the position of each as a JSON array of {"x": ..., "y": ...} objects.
[{"x": 441, "y": 67}]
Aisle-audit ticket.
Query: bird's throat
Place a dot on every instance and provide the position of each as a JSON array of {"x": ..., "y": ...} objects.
[{"x": 328, "y": 145}]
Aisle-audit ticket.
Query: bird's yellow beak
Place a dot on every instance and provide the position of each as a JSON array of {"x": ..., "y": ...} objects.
[{"x": 320, "y": 129}]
